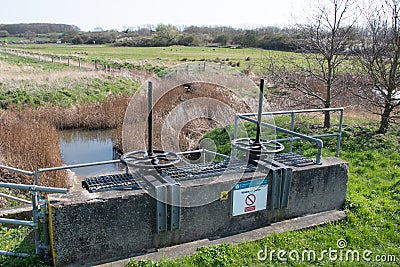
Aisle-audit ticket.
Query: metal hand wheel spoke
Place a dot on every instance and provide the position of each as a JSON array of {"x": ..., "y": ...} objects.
[
  {"x": 261, "y": 147},
  {"x": 157, "y": 159}
]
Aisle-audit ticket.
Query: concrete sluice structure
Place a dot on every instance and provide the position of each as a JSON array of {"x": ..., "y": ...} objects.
[
  {"x": 166, "y": 198},
  {"x": 117, "y": 223}
]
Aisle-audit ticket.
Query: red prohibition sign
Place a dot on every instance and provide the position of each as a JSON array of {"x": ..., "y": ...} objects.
[{"x": 250, "y": 200}]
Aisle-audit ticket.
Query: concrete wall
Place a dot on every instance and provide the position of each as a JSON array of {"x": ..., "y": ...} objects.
[{"x": 96, "y": 227}]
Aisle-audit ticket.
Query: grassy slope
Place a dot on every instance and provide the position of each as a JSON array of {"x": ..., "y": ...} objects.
[{"x": 44, "y": 84}]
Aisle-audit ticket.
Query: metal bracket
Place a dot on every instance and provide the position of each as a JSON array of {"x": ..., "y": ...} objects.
[
  {"x": 168, "y": 196},
  {"x": 281, "y": 180}
]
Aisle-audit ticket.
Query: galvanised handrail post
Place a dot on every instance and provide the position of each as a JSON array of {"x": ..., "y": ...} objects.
[
  {"x": 36, "y": 175},
  {"x": 38, "y": 213},
  {"x": 339, "y": 133},
  {"x": 45, "y": 228},
  {"x": 292, "y": 129},
  {"x": 35, "y": 215},
  {"x": 235, "y": 133}
]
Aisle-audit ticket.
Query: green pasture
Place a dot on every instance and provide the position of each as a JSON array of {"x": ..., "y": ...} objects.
[
  {"x": 151, "y": 57},
  {"x": 240, "y": 58}
]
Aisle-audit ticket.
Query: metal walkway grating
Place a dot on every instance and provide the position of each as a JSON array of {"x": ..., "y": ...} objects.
[
  {"x": 212, "y": 169},
  {"x": 108, "y": 182},
  {"x": 293, "y": 159}
]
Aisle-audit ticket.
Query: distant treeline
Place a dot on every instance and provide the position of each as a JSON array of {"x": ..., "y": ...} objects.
[
  {"x": 165, "y": 35},
  {"x": 36, "y": 28},
  {"x": 157, "y": 35},
  {"x": 271, "y": 38}
]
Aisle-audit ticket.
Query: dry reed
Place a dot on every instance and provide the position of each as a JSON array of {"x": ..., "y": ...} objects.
[
  {"x": 29, "y": 138},
  {"x": 29, "y": 145}
]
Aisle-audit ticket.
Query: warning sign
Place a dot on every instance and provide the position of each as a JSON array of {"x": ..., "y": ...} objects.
[{"x": 250, "y": 196}]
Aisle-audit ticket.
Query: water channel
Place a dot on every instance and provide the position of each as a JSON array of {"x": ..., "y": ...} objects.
[{"x": 82, "y": 146}]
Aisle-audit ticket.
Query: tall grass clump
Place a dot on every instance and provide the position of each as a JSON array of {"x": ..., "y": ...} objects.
[{"x": 29, "y": 144}]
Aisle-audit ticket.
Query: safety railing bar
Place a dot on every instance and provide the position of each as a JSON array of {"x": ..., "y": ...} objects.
[
  {"x": 190, "y": 152},
  {"x": 14, "y": 254},
  {"x": 302, "y": 136},
  {"x": 202, "y": 151},
  {"x": 215, "y": 153},
  {"x": 314, "y": 136},
  {"x": 34, "y": 188},
  {"x": 292, "y": 111},
  {"x": 318, "y": 142},
  {"x": 67, "y": 167},
  {"x": 16, "y": 170},
  {"x": 17, "y": 222},
  {"x": 15, "y": 198}
]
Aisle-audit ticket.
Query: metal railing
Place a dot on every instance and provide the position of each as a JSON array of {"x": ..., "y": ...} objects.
[
  {"x": 39, "y": 220},
  {"x": 294, "y": 135}
]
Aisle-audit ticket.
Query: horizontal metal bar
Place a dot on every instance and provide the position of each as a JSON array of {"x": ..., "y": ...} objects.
[
  {"x": 216, "y": 153},
  {"x": 14, "y": 254},
  {"x": 293, "y": 111},
  {"x": 34, "y": 188},
  {"x": 319, "y": 142},
  {"x": 16, "y": 170},
  {"x": 66, "y": 167},
  {"x": 189, "y": 152},
  {"x": 314, "y": 136},
  {"x": 17, "y": 222},
  {"x": 15, "y": 198},
  {"x": 302, "y": 136},
  {"x": 202, "y": 151}
]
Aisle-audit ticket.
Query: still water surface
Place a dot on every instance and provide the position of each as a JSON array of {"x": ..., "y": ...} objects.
[{"x": 82, "y": 146}]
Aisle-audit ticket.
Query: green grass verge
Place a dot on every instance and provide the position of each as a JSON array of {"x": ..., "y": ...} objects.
[
  {"x": 65, "y": 92},
  {"x": 18, "y": 239},
  {"x": 34, "y": 63}
]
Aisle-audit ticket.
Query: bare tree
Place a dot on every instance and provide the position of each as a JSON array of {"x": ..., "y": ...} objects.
[
  {"x": 324, "y": 43},
  {"x": 379, "y": 57}
]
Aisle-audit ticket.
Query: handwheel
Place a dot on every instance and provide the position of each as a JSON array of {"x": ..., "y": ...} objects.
[
  {"x": 262, "y": 147},
  {"x": 142, "y": 159}
]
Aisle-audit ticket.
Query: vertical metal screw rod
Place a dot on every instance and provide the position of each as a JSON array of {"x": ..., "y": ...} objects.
[
  {"x": 260, "y": 107},
  {"x": 150, "y": 118}
]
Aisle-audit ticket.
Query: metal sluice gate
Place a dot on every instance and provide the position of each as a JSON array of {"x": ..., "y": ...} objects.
[
  {"x": 166, "y": 188},
  {"x": 186, "y": 172},
  {"x": 178, "y": 173}
]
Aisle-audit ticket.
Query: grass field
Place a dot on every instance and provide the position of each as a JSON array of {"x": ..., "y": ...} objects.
[
  {"x": 151, "y": 57},
  {"x": 241, "y": 58}
]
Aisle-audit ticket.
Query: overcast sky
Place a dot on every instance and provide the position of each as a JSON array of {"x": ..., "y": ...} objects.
[{"x": 117, "y": 14}]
